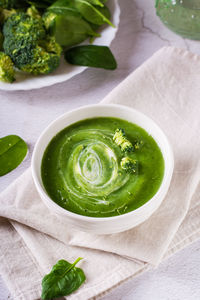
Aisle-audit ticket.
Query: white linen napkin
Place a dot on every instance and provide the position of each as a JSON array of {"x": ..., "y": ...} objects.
[{"x": 166, "y": 88}]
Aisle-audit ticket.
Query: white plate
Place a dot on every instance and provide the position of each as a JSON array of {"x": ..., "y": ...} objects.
[{"x": 65, "y": 71}]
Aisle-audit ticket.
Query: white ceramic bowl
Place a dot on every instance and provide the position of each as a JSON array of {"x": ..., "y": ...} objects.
[{"x": 109, "y": 224}]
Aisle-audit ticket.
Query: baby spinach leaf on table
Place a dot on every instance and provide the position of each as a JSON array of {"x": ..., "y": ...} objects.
[
  {"x": 91, "y": 13},
  {"x": 91, "y": 56},
  {"x": 77, "y": 30},
  {"x": 64, "y": 279},
  {"x": 12, "y": 152}
]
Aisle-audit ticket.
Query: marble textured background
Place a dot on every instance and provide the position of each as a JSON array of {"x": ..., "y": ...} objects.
[{"x": 27, "y": 113}]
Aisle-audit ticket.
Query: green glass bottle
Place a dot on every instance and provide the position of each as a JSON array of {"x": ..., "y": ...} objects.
[{"x": 181, "y": 16}]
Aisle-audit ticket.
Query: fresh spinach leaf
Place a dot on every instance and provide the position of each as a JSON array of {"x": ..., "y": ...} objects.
[
  {"x": 105, "y": 11},
  {"x": 64, "y": 279},
  {"x": 64, "y": 7},
  {"x": 12, "y": 152},
  {"x": 94, "y": 27},
  {"x": 91, "y": 13},
  {"x": 91, "y": 56},
  {"x": 77, "y": 31},
  {"x": 95, "y": 2}
]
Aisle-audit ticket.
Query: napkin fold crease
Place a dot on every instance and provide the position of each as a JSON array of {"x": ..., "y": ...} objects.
[{"x": 166, "y": 88}]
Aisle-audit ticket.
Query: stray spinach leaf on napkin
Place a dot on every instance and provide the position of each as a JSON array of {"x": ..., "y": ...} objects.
[{"x": 64, "y": 279}]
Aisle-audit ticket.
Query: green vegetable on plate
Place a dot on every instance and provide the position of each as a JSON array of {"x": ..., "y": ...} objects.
[
  {"x": 63, "y": 7},
  {"x": 96, "y": 2},
  {"x": 91, "y": 56},
  {"x": 24, "y": 38},
  {"x": 7, "y": 72},
  {"x": 13, "y": 150},
  {"x": 34, "y": 34},
  {"x": 77, "y": 29},
  {"x": 91, "y": 13},
  {"x": 5, "y": 14},
  {"x": 63, "y": 280}
]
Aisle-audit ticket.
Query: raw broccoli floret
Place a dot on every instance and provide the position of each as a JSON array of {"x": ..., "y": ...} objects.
[
  {"x": 50, "y": 45},
  {"x": 120, "y": 139},
  {"x": 45, "y": 59},
  {"x": 129, "y": 165},
  {"x": 21, "y": 33},
  {"x": 24, "y": 27},
  {"x": 7, "y": 72},
  {"x": 26, "y": 42}
]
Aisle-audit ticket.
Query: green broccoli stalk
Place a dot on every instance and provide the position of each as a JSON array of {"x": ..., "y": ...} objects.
[
  {"x": 129, "y": 165},
  {"x": 7, "y": 72},
  {"x": 28, "y": 45},
  {"x": 120, "y": 139}
]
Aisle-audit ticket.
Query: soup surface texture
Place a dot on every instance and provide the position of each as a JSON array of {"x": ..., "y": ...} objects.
[{"x": 81, "y": 168}]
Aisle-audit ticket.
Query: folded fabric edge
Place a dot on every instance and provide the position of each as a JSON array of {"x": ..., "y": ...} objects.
[
  {"x": 170, "y": 50},
  {"x": 111, "y": 283},
  {"x": 183, "y": 244},
  {"x": 180, "y": 51},
  {"x": 112, "y": 278},
  {"x": 11, "y": 272},
  {"x": 33, "y": 292}
]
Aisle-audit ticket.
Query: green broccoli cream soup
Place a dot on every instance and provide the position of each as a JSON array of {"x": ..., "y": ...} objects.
[{"x": 102, "y": 167}]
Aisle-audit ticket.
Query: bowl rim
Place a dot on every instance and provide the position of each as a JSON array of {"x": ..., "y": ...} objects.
[{"x": 58, "y": 209}]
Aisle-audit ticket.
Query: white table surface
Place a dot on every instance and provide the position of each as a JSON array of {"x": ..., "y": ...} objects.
[{"x": 140, "y": 34}]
